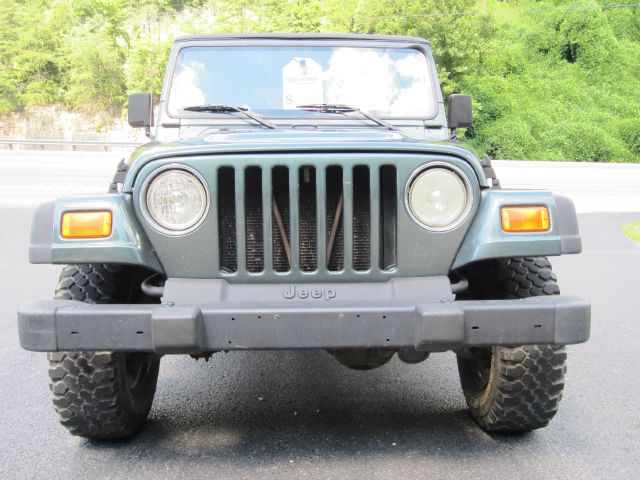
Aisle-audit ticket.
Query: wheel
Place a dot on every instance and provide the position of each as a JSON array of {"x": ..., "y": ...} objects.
[
  {"x": 102, "y": 395},
  {"x": 514, "y": 389}
]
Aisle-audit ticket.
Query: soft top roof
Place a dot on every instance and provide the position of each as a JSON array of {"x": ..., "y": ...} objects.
[{"x": 300, "y": 36}]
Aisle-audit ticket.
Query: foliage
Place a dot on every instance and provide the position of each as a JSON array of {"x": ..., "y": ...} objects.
[
  {"x": 560, "y": 86},
  {"x": 551, "y": 79},
  {"x": 632, "y": 230}
]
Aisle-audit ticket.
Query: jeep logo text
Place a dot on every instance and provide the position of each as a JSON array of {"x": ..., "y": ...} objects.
[{"x": 303, "y": 293}]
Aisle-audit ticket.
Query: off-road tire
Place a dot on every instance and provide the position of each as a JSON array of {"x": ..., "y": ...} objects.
[
  {"x": 523, "y": 277},
  {"x": 523, "y": 388},
  {"x": 102, "y": 395},
  {"x": 515, "y": 389}
]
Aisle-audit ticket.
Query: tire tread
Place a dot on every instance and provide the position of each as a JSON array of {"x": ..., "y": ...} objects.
[
  {"x": 90, "y": 391},
  {"x": 87, "y": 395},
  {"x": 526, "y": 382},
  {"x": 529, "y": 388}
]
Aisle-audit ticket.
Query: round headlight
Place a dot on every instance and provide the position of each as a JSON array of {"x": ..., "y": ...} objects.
[
  {"x": 439, "y": 198},
  {"x": 176, "y": 200}
]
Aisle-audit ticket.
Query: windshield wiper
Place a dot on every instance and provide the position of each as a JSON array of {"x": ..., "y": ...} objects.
[
  {"x": 329, "y": 108},
  {"x": 230, "y": 109}
]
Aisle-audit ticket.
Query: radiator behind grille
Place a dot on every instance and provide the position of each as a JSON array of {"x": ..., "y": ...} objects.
[
  {"x": 308, "y": 215},
  {"x": 280, "y": 194},
  {"x": 332, "y": 219},
  {"x": 227, "y": 219}
]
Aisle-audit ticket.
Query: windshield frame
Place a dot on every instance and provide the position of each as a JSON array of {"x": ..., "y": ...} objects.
[{"x": 311, "y": 42}]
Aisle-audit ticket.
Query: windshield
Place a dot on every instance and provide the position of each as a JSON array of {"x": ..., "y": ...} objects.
[{"x": 274, "y": 80}]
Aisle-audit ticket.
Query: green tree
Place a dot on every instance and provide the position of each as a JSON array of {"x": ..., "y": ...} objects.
[{"x": 95, "y": 72}]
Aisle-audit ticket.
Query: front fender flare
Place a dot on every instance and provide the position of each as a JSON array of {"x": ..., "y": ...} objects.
[
  {"x": 127, "y": 243},
  {"x": 486, "y": 239}
]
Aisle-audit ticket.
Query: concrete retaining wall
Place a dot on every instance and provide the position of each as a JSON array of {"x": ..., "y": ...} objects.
[{"x": 57, "y": 123}]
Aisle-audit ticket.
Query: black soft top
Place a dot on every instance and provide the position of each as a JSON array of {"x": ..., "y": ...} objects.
[{"x": 300, "y": 36}]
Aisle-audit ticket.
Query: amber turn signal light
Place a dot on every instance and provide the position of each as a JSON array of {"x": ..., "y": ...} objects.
[
  {"x": 525, "y": 219},
  {"x": 86, "y": 224}
]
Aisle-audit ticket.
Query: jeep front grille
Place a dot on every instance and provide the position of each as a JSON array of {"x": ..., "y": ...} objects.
[{"x": 306, "y": 219}]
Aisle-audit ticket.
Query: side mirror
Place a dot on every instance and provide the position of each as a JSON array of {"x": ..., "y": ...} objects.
[
  {"x": 140, "y": 112},
  {"x": 459, "y": 111}
]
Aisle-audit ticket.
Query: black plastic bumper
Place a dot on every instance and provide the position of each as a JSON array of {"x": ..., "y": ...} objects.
[{"x": 323, "y": 322}]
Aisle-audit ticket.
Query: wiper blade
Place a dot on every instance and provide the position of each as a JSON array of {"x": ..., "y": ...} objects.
[
  {"x": 338, "y": 108},
  {"x": 230, "y": 109}
]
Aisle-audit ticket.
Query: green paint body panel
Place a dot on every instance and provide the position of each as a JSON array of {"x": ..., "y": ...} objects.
[
  {"x": 127, "y": 244},
  {"x": 420, "y": 252},
  {"x": 486, "y": 239}
]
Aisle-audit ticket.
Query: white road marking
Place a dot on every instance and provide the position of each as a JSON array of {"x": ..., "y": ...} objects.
[{"x": 28, "y": 178}]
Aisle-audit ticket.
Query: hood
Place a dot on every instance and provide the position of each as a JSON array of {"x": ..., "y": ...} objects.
[
  {"x": 214, "y": 142},
  {"x": 301, "y": 136}
]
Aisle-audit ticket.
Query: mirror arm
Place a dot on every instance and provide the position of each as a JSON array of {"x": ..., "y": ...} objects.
[{"x": 147, "y": 132}]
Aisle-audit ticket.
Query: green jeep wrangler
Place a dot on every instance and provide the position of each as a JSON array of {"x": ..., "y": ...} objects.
[{"x": 304, "y": 192}]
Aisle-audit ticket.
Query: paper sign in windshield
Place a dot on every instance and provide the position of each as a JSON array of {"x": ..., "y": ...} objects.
[{"x": 301, "y": 83}]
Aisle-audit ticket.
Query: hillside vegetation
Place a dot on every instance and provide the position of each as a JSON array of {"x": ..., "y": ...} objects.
[{"x": 551, "y": 80}]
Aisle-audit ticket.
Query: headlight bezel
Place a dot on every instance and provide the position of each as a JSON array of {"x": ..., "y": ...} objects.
[
  {"x": 145, "y": 208},
  {"x": 469, "y": 201}
]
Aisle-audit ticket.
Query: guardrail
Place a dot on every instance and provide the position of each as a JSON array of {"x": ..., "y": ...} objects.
[{"x": 13, "y": 142}]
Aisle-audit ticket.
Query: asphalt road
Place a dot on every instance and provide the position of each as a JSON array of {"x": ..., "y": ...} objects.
[{"x": 276, "y": 415}]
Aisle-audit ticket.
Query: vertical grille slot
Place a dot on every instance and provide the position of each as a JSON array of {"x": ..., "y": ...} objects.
[
  {"x": 280, "y": 190},
  {"x": 308, "y": 220},
  {"x": 321, "y": 220},
  {"x": 267, "y": 218},
  {"x": 253, "y": 219},
  {"x": 335, "y": 249},
  {"x": 361, "y": 219},
  {"x": 227, "y": 220},
  {"x": 388, "y": 214}
]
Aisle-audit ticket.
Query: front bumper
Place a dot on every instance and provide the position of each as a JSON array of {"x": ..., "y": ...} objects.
[{"x": 419, "y": 313}]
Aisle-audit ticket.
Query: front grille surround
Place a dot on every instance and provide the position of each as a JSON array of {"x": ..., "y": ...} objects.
[{"x": 406, "y": 250}]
